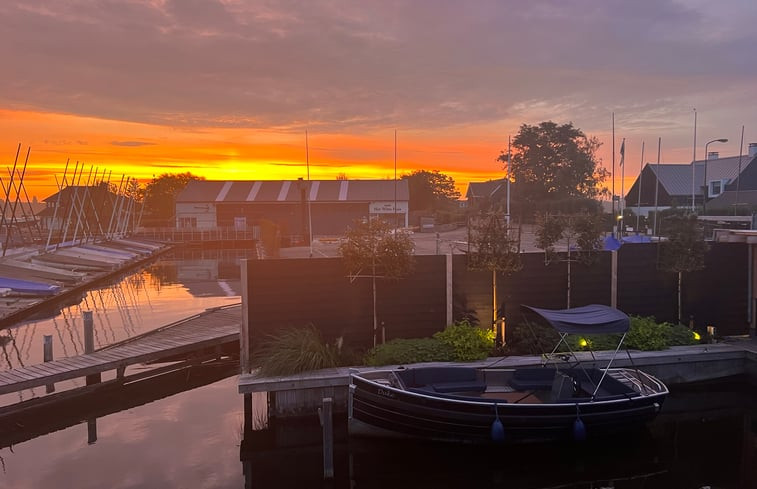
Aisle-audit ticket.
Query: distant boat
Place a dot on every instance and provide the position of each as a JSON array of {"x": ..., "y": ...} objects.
[{"x": 28, "y": 287}]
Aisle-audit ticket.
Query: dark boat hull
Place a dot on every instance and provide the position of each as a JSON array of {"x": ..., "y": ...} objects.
[{"x": 406, "y": 413}]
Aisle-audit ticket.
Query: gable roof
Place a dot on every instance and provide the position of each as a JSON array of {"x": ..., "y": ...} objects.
[
  {"x": 488, "y": 189},
  {"x": 676, "y": 177},
  {"x": 292, "y": 191}
]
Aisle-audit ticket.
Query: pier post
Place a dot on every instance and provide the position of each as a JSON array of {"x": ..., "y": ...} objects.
[
  {"x": 47, "y": 353},
  {"x": 327, "y": 423},
  {"x": 89, "y": 342},
  {"x": 91, "y": 431}
]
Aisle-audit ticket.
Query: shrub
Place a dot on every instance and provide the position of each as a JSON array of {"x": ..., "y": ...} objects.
[
  {"x": 402, "y": 351},
  {"x": 680, "y": 335},
  {"x": 531, "y": 339},
  {"x": 647, "y": 334},
  {"x": 468, "y": 342},
  {"x": 295, "y": 350}
]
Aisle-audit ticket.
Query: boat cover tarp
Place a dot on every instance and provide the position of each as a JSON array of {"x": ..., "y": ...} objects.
[{"x": 591, "y": 319}]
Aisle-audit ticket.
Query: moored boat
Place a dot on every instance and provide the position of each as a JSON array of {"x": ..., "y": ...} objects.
[{"x": 467, "y": 404}]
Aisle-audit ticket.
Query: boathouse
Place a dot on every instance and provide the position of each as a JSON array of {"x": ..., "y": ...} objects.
[{"x": 329, "y": 206}]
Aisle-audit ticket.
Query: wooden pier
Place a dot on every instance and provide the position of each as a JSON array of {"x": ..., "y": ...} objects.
[{"x": 211, "y": 329}]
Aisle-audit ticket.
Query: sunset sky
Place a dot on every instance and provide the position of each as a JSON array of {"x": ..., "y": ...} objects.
[{"x": 227, "y": 88}]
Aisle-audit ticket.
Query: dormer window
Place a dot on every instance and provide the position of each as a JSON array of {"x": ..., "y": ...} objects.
[{"x": 716, "y": 187}]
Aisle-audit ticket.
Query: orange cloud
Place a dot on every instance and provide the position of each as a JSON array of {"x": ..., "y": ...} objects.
[{"x": 142, "y": 151}]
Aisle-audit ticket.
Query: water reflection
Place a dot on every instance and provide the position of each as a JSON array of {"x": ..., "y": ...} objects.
[
  {"x": 165, "y": 291},
  {"x": 706, "y": 436}
]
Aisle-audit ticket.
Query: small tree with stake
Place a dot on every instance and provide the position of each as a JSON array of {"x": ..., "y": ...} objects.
[
  {"x": 685, "y": 248},
  {"x": 372, "y": 250},
  {"x": 584, "y": 230},
  {"x": 496, "y": 248}
]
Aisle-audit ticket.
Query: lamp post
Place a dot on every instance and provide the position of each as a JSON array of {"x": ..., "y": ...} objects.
[{"x": 706, "y": 159}]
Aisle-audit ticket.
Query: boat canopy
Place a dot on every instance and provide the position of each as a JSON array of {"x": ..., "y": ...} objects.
[{"x": 591, "y": 319}]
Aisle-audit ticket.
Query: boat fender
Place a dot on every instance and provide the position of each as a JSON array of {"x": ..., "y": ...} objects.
[
  {"x": 498, "y": 430},
  {"x": 579, "y": 428}
]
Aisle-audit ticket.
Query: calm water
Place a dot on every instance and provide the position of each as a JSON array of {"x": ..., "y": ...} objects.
[
  {"x": 174, "y": 287},
  {"x": 157, "y": 434}
]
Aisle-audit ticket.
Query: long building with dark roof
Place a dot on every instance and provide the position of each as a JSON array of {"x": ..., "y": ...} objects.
[{"x": 330, "y": 205}]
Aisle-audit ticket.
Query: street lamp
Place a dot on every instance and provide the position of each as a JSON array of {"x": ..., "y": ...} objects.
[{"x": 706, "y": 185}]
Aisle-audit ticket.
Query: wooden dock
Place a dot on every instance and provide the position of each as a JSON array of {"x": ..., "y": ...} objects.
[{"x": 213, "y": 328}]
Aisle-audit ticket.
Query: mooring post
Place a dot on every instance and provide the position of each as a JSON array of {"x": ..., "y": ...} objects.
[
  {"x": 89, "y": 342},
  {"x": 325, "y": 414},
  {"x": 91, "y": 431},
  {"x": 47, "y": 354},
  {"x": 89, "y": 332}
]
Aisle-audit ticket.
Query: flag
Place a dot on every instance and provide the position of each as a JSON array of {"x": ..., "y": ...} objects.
[{"x": 622, "y": 151}]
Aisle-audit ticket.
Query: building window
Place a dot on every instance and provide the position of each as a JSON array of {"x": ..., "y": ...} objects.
[
  {"x": 716, "y": 188},
  {"x": 187, "y": 222}
]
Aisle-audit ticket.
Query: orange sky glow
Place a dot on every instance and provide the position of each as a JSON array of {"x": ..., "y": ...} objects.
[{"x": 141, "y": 151}]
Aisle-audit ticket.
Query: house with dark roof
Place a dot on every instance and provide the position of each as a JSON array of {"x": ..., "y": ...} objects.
[
  {"x": 483, "y": 194},
  {"x": 663, "y": 186},
  {"x": 89, "y": 207},
  {"x": 328, "y": 205}
]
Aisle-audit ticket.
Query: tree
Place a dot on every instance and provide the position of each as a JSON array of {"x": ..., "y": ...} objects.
[
  {"x": 583, "y": 230},
  {"x": 685, "y": 248},
  {"x": 431, "y": 190},
  {"x": 495, "y": 248},
  {"x": 554, "y": 167},
  {"x": 371, "y": 249},
  {"x": 160, "y": 195}
]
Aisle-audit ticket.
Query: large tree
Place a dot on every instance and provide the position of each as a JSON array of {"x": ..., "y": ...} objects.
[
  {"x": 554, "y": 167},
  {"x": 431, "y": 190},
  {"x": 160, "y": 196}
]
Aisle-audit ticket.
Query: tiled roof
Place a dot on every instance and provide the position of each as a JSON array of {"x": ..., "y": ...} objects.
[
  {"x": 676, "y": 177},
  {"x": 291, "y": 191}
]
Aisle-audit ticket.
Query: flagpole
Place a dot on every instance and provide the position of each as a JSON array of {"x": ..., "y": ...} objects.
[
  {"x": 657, "y": 187},
  {"x": 738, "y": 177},
  {"x": 638, "y": 200},
  {"x": 621, "y": 201},
  {"x": 310, "y": 215},
  {"x": 395, "y": 179},
  {"x": 615, "y": 222},
  {"x": 507, "y": 216},
  {"x": 694, "y": 164}
]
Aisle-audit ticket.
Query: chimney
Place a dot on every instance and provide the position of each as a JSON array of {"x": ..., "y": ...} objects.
[
  {"x": 752, "y": 150},
  {"x": 712, "y": 155}
]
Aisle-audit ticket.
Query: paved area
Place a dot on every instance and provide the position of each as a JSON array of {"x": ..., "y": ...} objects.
[{"x": 433, "y": 243}]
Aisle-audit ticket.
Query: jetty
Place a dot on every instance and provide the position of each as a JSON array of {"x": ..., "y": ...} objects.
[
  {"x": 211, "y": 333},
  {"x": 302, "y": 394}
]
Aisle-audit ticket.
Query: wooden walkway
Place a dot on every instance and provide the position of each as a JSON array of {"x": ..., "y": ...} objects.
[{"x": 212, "y": 328}]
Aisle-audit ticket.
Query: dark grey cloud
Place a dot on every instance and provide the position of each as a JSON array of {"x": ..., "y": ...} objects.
[{"x": 337, "y": 64}]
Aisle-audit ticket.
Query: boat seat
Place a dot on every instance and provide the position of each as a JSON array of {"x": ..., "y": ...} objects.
[{"x": 563, "y": 387}]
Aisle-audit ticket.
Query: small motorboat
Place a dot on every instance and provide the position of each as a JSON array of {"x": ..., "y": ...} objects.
[{"x": 510, "y": 405}]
